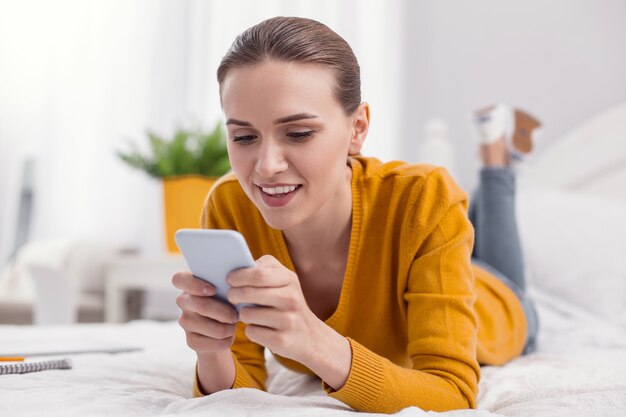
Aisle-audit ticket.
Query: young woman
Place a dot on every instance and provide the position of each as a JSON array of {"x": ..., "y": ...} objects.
[{"x": 364, "y": 273}]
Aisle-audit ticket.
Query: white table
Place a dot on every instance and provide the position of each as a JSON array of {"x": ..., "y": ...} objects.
[{"x": 137, "y": 273}]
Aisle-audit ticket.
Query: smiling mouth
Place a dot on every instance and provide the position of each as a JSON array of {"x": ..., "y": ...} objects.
[{"x": 277, "y": 192}]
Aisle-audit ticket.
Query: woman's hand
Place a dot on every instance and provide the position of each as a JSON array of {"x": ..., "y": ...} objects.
[
  {"x": 208, "y": 323},
  {"x": 282, "y": 320}
]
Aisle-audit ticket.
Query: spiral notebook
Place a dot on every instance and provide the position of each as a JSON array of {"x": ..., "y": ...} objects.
[{"x": 34, "y": 366}]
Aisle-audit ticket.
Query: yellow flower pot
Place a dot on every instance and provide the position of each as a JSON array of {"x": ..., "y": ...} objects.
[{"x": 183, "y": 197}]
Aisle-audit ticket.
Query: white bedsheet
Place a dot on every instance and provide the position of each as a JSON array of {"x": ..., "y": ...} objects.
[{"x": 579, "y": 370}]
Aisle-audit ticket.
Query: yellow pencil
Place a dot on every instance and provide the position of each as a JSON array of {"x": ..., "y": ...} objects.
[{"x": 10, "y": 359}]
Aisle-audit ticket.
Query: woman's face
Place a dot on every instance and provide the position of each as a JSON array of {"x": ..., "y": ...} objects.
[{"x": 289, "y": 139}]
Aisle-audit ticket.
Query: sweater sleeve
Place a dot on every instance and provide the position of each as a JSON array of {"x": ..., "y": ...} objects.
[
  {"x": 249, "y": 357},
  {"x": 442, "y": 326}
]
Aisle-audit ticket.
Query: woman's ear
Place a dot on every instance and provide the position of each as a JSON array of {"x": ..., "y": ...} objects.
[{"x": 360, "y": 126}]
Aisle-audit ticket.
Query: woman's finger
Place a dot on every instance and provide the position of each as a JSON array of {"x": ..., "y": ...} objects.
[
  {"x": 185, "y": 281},
  {"x": 193, "y": 322},
  {"x": 274, "y": 276},
  {"x": 264, "y": 316},
  {"x": 276, "y": 297},
  {"x": 204, "y": 344},
  {"x": 207, "y": 307},
  {"x": 264, "y": 335}
]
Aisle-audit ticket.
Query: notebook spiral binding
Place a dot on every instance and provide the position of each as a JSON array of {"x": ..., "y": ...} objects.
[{"x": 22, "y": 368}]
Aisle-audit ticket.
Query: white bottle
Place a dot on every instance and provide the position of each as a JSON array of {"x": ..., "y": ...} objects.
[{"x": 436, "y": 149}]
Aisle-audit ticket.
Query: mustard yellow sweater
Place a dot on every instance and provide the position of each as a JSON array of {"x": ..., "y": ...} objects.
[{"x": 418, "y": 315}]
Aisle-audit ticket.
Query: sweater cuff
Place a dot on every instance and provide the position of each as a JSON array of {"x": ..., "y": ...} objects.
[
  {"x": 242, "y": 377},
  {"x": 365, "y": 380}
]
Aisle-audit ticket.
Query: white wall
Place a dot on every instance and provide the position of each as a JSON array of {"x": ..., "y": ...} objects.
[
  {"x": 81, "y": 77},
  {"x": 373, "y": 28},
  {"x": 563, "y": 60},
  {"x": 77, "y": 77}
]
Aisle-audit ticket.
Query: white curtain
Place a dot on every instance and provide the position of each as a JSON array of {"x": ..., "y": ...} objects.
[
  {"x": 79, "y": 78},
  {"x": 373, "y": 28}
]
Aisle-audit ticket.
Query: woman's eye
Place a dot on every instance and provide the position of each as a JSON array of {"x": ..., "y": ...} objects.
[
  {"x": 295, "y": 136},
  {"x": 300, "y": 135},
  {"x": 244, "y": 139}
]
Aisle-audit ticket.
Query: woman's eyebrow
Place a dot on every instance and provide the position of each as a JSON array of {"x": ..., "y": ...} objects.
[
  {"x": 287, "y": 119},
  {"x": 237, "y": 122},
  {"x": 294, "y": 117}
]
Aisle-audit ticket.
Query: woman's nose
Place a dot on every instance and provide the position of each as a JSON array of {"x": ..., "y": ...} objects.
[{"x": 271, "y": 160}]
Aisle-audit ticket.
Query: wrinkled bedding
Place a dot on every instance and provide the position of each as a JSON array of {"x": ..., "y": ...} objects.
[{"x": 578, "y": 370}]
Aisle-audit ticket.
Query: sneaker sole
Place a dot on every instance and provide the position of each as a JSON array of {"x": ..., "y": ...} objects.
[{"x": 524, "y": 125}]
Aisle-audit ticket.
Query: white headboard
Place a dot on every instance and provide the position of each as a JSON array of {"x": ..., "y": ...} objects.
[{"x": 591, "y": 158}]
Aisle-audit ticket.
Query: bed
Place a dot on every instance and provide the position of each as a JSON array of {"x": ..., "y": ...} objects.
[{"x": 574, "y": 238}]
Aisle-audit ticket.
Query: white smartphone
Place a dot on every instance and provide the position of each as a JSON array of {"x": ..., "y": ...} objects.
[{"x": 211, "y": 254}]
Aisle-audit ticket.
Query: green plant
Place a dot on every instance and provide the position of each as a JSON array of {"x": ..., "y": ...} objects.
[{"x": 190, "y": 151}]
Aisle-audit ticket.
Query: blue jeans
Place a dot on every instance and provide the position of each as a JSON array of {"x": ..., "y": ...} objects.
[{"x": 497, "y": 246}]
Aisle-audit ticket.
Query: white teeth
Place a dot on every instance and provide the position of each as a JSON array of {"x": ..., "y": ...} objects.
[{"x": 279, "y": 190}]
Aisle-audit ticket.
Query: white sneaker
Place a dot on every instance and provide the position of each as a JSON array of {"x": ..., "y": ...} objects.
[{"x": 518, "y": 128}]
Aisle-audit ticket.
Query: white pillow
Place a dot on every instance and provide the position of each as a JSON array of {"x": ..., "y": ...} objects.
[
  {"x": 575, "y": 247},
  {"x": 82, "y": 260}
]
